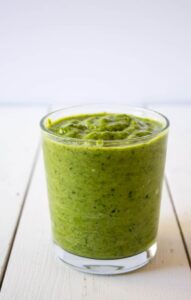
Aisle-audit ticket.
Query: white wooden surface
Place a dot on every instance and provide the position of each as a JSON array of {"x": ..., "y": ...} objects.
[
  {"x": 19, "y": 138},
  {"x": 33, "y": 272}
]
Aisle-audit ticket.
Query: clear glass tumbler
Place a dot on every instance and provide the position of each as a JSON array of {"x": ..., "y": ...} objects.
[{"x": 104, "y": 197}]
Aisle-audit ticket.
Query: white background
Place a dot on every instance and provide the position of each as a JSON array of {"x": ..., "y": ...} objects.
[{"x": 81, "y": 51}]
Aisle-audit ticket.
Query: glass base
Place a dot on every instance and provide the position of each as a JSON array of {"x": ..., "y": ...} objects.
[{"x": 107, "y": 266}]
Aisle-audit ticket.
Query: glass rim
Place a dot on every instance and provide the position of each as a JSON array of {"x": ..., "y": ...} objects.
[{"x": 72, "y": 140}]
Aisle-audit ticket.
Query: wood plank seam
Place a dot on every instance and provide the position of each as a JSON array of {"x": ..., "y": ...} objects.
[
  {"x": 178, "y": 221},
  {"x": 20, "y": 213}
]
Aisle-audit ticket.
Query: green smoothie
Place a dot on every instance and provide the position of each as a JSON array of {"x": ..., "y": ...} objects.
[{"x": 104, "y": 174}]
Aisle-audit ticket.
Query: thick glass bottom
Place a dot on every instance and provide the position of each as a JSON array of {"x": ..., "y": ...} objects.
[{"x": 107, "y": 266}]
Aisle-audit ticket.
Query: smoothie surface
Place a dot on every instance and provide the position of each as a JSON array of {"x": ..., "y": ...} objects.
[{"x": 104, "y": 126}]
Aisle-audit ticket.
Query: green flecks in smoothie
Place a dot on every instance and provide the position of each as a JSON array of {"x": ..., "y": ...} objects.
[
  {"x": 104, "y": 201},
  {"x": 104, "y": 126}
]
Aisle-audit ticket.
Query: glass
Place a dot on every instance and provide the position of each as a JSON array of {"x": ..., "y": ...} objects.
[{"x": 104, "y": 197}]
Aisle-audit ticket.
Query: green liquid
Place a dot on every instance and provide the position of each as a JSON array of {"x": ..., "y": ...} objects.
[{"x": 104, "y": 201}]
